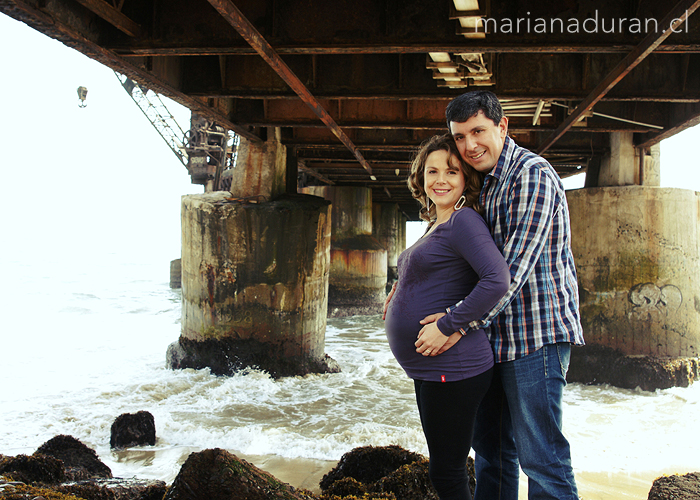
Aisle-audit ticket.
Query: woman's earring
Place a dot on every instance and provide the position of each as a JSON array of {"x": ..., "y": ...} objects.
[{"x": 460, "y": 203}]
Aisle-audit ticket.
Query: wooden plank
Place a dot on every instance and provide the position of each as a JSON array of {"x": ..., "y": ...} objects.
[
  {"x": 673, "y": 19},
  {"x": 112, "y": 16},
  {"x": 244, "y": 27}
]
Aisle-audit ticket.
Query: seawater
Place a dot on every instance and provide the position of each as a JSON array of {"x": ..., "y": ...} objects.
[{"x": 84, "y": 340}]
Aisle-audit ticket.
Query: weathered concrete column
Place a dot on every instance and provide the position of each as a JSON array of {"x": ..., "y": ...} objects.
[
  {"x": 637, "y": 256},
  {"x": 357, "y": 281},
  {"x": 255, "y": 273},
  {"x": 254, "y": 285},
  {"x": 651, "y": 166},
  {"x": 618, "y": 167},
  {"x": 261, "y": 168},
  {"x": 389, "y": 228}
]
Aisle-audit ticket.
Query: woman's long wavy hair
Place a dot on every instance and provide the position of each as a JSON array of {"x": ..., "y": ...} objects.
[{"x": 473, "y": 180}]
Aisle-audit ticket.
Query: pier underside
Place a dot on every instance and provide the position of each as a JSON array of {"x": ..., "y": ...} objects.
[{"x": 333, "y": 98}]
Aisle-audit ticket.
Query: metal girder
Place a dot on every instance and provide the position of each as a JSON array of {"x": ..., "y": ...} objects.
[
  {"x": 113, "y": 16},
  {"x": 391, "y": 77},
  {"x": 673, "y": 19},
  {"x": 236, "y": 18},
  {"x": 160, "y": 49}
]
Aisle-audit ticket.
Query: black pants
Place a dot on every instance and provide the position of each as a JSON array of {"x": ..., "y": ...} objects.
[{"x": 447, "y": 413}]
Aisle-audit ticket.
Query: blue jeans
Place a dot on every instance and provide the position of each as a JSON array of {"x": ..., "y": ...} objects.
[{"x": 519, "y": 424}]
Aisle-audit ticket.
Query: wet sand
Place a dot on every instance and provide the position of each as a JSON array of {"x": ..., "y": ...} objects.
[{"x": 299, "y": 472}]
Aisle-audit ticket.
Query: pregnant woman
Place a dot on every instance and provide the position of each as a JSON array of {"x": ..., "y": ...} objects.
[{"x": 455, "y": 260}]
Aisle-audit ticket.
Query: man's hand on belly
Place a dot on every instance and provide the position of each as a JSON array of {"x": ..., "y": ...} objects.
[{"x": 430, "y": 338}]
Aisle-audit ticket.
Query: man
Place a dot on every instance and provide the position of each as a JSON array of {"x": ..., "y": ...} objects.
[{"x": 533, "y": 326}]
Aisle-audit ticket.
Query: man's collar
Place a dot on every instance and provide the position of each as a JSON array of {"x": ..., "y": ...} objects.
[{"x": 508, "y": 146}]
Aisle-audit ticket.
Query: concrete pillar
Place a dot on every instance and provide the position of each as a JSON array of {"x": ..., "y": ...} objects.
[
  {"x": 254, "y": 285},
  {"x": 260, "y": 171},
  {"x": 255, "y": 267},
  {"x": 357, "y": 280},
  {"x": 389, "y": 228},
  {"x": 637, "y": 256},
  {"x": 618, "y": 167},
  {"x": 651, "y": 166}
]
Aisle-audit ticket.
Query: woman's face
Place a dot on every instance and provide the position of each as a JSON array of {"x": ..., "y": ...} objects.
[{"x": 444, "y": 181}]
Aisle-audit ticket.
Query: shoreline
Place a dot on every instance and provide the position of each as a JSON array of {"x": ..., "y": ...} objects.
[{"x": 307, "y": 473}]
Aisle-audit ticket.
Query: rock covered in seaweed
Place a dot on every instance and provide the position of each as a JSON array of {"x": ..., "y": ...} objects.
[
  {"x": 115, "y": 489},
  {"x": 13, "y": 490},
  {"x": 379, "y": 472},
  {"x": 80, "y": 461},
  {"x": 676, "y": 487},
  {"x": 37, "y": 468},
  {"x": 368, "y": 464},
  {"x": 46, "y": 473},
  {"x": 133, "y": 429},
  {"x": 216, "y": 474}
]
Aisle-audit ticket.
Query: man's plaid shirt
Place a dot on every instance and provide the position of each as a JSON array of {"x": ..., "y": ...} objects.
[{"x": 528, "y": 216}]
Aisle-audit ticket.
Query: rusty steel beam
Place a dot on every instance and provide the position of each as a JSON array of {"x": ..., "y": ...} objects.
[
  {"x": 673, "y": 19},
  {"x": 251, "y": 35},
  {"x": 308, "y": 170},
  {"x": 353, "y": 49},
  {"x": 112, "y": 16}
]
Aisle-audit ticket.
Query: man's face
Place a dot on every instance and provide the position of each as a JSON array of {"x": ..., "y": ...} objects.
[{"x": 480, "y": 141}]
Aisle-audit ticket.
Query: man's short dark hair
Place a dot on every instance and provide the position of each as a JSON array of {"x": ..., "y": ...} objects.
[{"x": 463, "y": 107}]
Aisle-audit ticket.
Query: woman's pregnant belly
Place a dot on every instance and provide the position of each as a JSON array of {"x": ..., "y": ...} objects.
[{"x": 469, "y": 356}]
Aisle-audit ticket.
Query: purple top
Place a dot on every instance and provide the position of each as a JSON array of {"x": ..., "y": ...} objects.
[{"x": 458, "y": 261}]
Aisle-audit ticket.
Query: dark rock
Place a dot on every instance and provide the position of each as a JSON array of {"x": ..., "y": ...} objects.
[
  {"x": 219, "y": 475},
  {"x": 33, "y": 469},
  {"x": 382, "y": 472},
  {"x": 79, "y": 461},
  {"x": 409, "y": 482},
  {"x": 133, "y": 429},
  {"x": 228, "y": 356},
  {"x": 685, "y": 487},
  {"x": 115, "y": 489},
  {"x": 345, "y": 487},
  {"x": 21, "y": 491},
  {"x": 368, "y": 464},
  {"x": 366, "y": 496}
]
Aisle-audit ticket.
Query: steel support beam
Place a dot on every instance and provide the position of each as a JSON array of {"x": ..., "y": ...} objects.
[
  {"x": 673, "y": 19},
  {"x": 251, "y": 35},
  {"x": 112, "y": 16}
]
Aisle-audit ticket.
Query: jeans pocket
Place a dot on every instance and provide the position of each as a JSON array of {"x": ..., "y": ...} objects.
[{"x": 564, "y": 353}]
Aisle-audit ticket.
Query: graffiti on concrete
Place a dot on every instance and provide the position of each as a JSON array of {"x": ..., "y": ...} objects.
[{"x": 654, "y": 303}]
